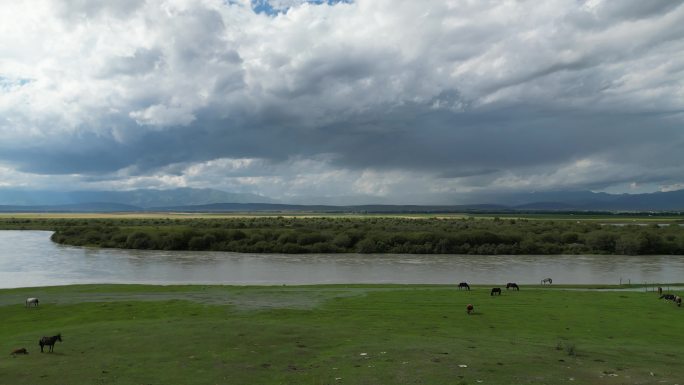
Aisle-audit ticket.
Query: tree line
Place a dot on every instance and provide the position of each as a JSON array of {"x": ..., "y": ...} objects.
[{"x": 363, "y": 235}]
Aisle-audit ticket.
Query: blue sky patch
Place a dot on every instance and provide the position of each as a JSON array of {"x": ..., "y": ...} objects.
[
  {"x": 274, "y": 7},
  {"x": 8, "y": 83}
]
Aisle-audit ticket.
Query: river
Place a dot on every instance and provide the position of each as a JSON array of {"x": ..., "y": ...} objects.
[{"x": 29, "y": 258}]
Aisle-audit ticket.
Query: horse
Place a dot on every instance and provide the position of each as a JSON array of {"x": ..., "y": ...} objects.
[
  {"x": 463, "y": 285},
  {"x": 18, "y": 351},
  {"x": 495, "y": 290},
  {"x": 512, "y": 285},
  {"x": 546, "y": 280},
  {"x": 469, "y": 308},
  {"x": 678, "y": 300},
  {"x": 31, "y": 301},
  {"x": 660, "y": 290},
  {"x": 49, "y": 341},
  {"x": 669, "y": 297}
]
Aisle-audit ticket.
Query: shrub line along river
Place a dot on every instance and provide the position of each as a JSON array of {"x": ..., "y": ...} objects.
[{"x": 29, "y": 258}]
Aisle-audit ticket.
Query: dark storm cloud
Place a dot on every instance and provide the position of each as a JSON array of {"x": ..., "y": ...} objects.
[
  {"x": 635, "y": 9},
  {"x": 443, "y": 143}
]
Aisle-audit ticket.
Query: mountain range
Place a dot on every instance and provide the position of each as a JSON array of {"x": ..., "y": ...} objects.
[
  {"x": 210, "y": 200},
  {"x": 137, "y": 198}
]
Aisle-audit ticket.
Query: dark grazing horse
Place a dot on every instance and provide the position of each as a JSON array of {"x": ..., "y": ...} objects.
[
  {"x": 512, "y": 285},
  {"x": 49, "y": 341},
  {"x": 463, "y": 285},
  {"x": 495, "y": 291},
  {"x": 660, "y": 290},
  {"x": 669, "y": 297}
]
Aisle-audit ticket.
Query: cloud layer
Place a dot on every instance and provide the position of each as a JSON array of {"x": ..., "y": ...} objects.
[{"x": 418, "y": 101}]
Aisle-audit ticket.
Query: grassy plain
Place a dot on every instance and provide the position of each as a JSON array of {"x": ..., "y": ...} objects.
[{"x": 355, "y": 334}]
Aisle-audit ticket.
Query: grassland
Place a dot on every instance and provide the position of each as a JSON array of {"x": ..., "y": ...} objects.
[
  {"x": 129, "y": 334},
  {"x": 624, "y": 218}
]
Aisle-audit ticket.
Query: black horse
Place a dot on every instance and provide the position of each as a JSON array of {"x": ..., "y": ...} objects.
[
  {"x": 49, "y": 341},
  {"x": 463, "y": 285},
  {"x": 512, "y": 285},
  {"x": 669, "y": 297},
  {"x": 495, "y": 290}
]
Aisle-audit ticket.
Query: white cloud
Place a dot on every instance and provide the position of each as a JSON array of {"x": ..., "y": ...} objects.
[
  {"x": 390, "y": 93},
  {"x": 672, "y": 187},
  {"x": 161, "y": 115}
]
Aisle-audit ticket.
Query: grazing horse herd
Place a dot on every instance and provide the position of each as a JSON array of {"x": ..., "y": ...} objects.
[
  {"x": 50, "y": 341},
  {"x": 495, "y": 291},
  {"x": 512, "y": 285},
  {"x": 44, "y": 341}
]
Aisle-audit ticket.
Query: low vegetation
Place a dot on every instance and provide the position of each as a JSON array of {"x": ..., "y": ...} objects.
[
  {"x": 356, "y": 334},
  {"x": 362, "y": 235}
]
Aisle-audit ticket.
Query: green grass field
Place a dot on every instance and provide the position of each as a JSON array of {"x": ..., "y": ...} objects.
[{"x": 361, "y": 334}]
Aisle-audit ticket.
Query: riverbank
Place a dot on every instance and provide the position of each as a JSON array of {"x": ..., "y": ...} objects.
[
  {"x": 381, "y": 235},
  {"x": 339, "y": 334}
]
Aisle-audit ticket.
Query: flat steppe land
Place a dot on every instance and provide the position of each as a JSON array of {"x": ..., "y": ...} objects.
[
  {"x": 598, "y": 217},
  {"x": 340, "y": 334}
]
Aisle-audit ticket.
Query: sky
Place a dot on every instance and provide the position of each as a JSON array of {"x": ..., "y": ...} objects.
[{"x": 362, "y": 101}]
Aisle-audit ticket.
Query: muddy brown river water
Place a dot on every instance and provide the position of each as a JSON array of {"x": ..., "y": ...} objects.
[{"x": 29, "y": 258}]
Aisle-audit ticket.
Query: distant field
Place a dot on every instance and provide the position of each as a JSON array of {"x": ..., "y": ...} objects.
[
  {"x": 357, "y": 334},
  {"x": 612, "y": 218}
]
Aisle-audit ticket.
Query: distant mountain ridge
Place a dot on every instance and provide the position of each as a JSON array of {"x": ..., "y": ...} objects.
[
  {"x": 209, "y": 200},
  {"x": 591, "y": 201},
  {"x": 91, "y": 207},
  {"x": 138, "y": 198},
  {"x": 279, "y": 207}
]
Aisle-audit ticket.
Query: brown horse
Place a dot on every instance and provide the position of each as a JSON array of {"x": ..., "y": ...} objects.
[
  {"x": 18, "y": 351},
  {"x": 50, "y": 342},
  {"x": 469, "y": 308}
]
